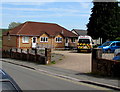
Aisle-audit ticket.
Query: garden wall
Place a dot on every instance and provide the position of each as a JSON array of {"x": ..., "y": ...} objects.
[
  {"x": 27, "y": 56},
  {"x": 104, "y": 66}
]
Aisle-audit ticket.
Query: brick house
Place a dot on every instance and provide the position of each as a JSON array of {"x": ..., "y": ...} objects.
[{"x": 38, "y": 34}]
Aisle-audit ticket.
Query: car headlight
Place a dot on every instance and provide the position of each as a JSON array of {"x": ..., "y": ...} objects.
[{"x": 106, "y": 47}]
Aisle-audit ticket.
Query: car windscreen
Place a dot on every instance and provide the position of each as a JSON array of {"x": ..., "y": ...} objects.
[
  {"x": 87, "y": 41},
  {"x": 7, "y": 86},
  {"x": 106, "y": 43}
]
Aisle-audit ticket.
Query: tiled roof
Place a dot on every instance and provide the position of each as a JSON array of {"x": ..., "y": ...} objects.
[
  {"x": 38, "y": 28},
  {"x": 80, "y": 32}
]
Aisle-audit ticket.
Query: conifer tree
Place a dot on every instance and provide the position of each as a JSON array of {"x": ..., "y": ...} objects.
[{"x": 104, "y": 21}]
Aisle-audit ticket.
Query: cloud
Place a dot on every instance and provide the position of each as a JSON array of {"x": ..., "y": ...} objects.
[
  {"x": 48, "y": 9},
  {"x": 26, "y": 3},
  {"x": 54, "y": 1},
  {"x": 54, "y": 16},
  {"x": 48, "y": 16},
  {"x": 46, "y": 1},
  {"x": 85, "y": 4}
]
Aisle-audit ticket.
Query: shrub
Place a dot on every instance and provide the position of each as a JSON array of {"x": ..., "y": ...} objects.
[
  {"x": 53, "y": 62},
  {"x": 95, "y": 46},
  {"x": 117, "y": 39}
]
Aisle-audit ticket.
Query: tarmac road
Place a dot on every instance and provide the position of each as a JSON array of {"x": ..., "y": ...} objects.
[{"x": 29, "y": 79}]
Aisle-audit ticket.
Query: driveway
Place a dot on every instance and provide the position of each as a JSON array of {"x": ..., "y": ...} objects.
[{"x": 75, "y": 61}]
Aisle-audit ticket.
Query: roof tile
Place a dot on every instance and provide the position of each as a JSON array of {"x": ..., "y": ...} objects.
[{"x": 38, "y": 28}]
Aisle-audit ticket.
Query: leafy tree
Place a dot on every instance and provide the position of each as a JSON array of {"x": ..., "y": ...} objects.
[
  {"x": 104, "y": 21},
  {"x": 117, "y": 39},
  {"x": 13, "y": 25}
]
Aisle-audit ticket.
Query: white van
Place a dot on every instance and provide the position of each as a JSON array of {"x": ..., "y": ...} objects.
[{"x": 85, "y": 44}]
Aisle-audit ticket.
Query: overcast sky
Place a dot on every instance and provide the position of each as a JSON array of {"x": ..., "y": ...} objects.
[{"x": 69, "y": 14}]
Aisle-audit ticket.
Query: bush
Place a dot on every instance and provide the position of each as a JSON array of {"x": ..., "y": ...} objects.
[
  {"x": 117, "y": 39},
  {"x": 95, "y": 46},
  {"x": 53, "y": 62}
]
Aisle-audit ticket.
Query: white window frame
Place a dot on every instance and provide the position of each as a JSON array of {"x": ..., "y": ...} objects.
[
  {"x": 24, "y": 39},
  {"x": 57, "y": 39},
  {"x": 46, "y": 39}
]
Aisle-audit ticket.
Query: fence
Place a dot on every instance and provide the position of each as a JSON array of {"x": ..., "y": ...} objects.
[
  {"x": 36, "y": 55},
  {"x": 104, "y": 66}
]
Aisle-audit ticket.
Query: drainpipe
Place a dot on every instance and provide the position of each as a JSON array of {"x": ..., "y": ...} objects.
[
  {"x": 19, "y": 41},
  {"x": 52, "y": 43}
]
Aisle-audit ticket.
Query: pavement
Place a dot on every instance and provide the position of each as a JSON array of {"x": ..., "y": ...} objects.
[{"x": 68, "y": 74}]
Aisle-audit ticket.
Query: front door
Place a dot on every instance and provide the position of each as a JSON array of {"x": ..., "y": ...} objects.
[
  {"x": 34, "y": 42},
  {"x": 66, "y": 42}
]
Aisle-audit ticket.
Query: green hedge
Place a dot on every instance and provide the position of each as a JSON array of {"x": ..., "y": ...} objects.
[
  {"x": 117, "y": 39},
  {"x": 0, "y": 44}
]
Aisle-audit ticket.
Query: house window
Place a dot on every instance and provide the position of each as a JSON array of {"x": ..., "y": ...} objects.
[
  {"x": 59, "y": 39},
  {"x": 43, "y": 39},
  {"x": 73, "y": 40},
  {"x": 25, "y": 39}
]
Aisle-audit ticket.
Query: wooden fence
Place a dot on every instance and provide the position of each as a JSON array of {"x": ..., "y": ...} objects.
[
  {"x": 104, "y": 66},
  {"x": 20, "y": 54}
]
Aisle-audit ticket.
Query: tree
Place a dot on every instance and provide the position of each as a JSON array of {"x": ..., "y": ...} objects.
[
  {"x": 104, "y": 21},
  {"x": 117, "y": 39},
  {"x": 13, "y": 25}
]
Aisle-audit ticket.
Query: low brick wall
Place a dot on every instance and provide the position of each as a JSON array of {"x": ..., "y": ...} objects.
[
  {"x": 33, "y": 57},
  {"x": 104, "y": 66}
]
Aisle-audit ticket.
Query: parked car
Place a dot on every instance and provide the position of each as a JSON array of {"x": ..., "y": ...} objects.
[
  {"x": 7, "y": 83},
  {"x": 110, "y": 46}
]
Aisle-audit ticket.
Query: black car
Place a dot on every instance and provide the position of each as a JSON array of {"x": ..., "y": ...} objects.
[{"x": 7, "y": 83}]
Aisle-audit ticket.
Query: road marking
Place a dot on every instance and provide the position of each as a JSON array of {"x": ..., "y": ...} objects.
[
  {"x": 73, "y": 81},
  {"x": 67, "y": 78}
]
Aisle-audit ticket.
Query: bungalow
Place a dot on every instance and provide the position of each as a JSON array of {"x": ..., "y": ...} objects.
[
  {"x": 38, "y": 34},
  {"x": 79, "y": 32}
]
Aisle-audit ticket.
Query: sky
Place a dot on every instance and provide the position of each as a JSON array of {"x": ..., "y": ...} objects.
[{"x": 69, "y": 14}]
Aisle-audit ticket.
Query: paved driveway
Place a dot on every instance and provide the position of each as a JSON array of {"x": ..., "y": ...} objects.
[{"x": 75, "y": 61}]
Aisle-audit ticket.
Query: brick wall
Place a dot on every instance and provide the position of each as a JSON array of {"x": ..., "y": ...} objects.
[
  {"x": 24, "y": 45},
  {"x": 9, "y": 41},
  {"x": 27, "y": 56},
  {"x": 16, "y": 42},
  {"x": 104, "y": 66}
]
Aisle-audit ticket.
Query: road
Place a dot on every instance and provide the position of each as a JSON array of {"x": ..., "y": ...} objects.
[{"x": 29, "y": 79}]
